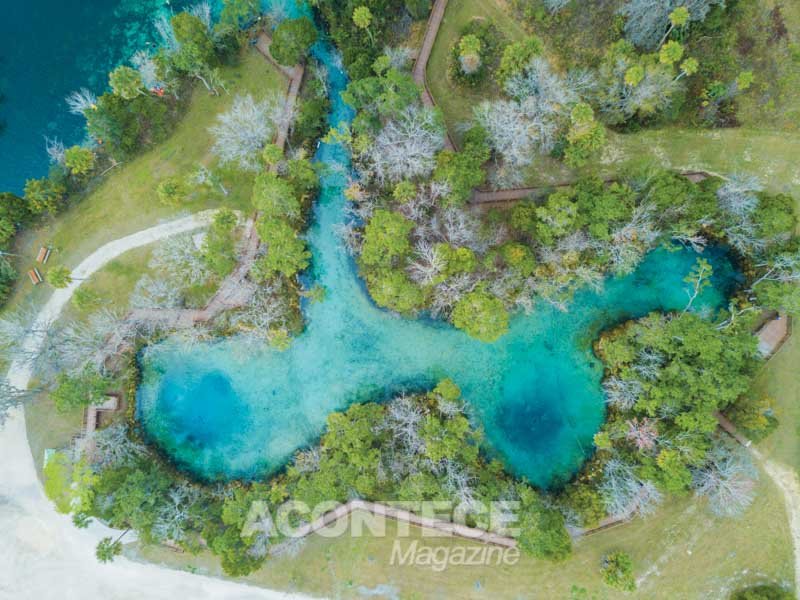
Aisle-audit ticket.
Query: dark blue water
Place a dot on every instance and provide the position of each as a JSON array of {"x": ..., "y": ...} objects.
[
  {"x": 49, "y": 48},
  {"x": 228, "y": 410}
]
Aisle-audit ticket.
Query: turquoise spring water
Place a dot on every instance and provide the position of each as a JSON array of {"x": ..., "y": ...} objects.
[{"x": 226, "y": 410}]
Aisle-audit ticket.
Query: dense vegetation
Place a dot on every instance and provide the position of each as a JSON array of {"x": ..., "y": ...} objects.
[
  {"x": 417, "y": 447},
  {"x": 422, "y": 249}
]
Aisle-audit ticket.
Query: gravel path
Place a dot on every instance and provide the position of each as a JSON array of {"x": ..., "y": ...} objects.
[{"x": 42, "y": 555}]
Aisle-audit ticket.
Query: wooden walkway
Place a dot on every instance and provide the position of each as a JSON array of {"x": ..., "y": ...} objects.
[
  {"x": 234, "y": 291},
  {"x": 421, "y": 65},
  {"x": 773, "y": 334},
  {"x": 503, "y": 198}
]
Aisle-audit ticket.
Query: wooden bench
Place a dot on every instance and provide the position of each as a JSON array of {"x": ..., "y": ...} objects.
[
  {"x": 35, "y": 276},
  {"x": 44, "y": 254}
]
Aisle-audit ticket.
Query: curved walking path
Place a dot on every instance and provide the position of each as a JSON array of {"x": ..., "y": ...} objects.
[
  {"x": 42, "y": 555},
  {"x": 771, "y": 337},
  {"x": 421, "y": 65}
]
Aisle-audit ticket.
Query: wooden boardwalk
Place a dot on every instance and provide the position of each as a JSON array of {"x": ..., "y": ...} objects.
[
  {"x": 507, "y": 197},
  {"x": 421, "y": 65},
  {"x": 773, "y": 334},
  {"x": 234, "y": 291}
]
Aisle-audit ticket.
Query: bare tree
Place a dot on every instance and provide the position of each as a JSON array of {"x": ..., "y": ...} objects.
[
  {"x": 16, "y": 330},
  {"x": 404, "y": 419},
  {"x": 164, "y": 29},
  {"x": 179, "y": 261},
  {"x": 80, "y": 101},
  {"x": 77, "y": 345},
  {"x": 624, "y": 493},
  {"x": 147, "y": 68},
  {"x": 55, "y": 150},
  {"x": 447, "y": 294},
  {"x": 727, "y": 480},
  {"x": 155, "y": 293},
  {"x": 174, "y": 515},
  {"x": 406, "y": 147},
  {"x": 622, "y": 393},
  {"x": 643, "y": 433},
  {"x": 265, "y": 311},
  {"x": 242, "y": 131},
  {"x": 114, "y": 447},
  {"x": 399, "y": 56},
  {"x": 307, "y": 461},
  {"x": 10, "y": 398},
  {"x": 202, "y": 10},
  {"x": 647, "y": 20},
  {"x": 427, "y": 265},
  {"x": 783, "y": 268}
]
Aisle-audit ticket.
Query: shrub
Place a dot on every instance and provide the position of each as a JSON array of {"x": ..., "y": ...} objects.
[{"x": 617, "y": 569}]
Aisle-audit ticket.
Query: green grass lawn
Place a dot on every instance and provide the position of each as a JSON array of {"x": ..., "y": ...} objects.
[
  {"x": 126, "y": 201},
  {"x": 681, "y": 552},
  {"x": 456, "y": 100},
  {"x": 770, "y": 155}
]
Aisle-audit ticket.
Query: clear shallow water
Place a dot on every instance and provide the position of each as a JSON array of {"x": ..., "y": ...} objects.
[
  {"x": 49, "y": 48},
  {"x": 228, "y": 410}
]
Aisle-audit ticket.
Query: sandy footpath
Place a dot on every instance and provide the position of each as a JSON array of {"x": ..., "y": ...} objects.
[{"x": 42, "y": 555}]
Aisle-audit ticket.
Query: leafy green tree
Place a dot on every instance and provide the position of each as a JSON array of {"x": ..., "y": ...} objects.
[
  {"x": 275, "y": 198},
  {"x": 173, "y": 191},
  {"x": 744, "y": 80},
  {"x": 481, "y": 315},
  {"x": 286, "y": 250},
  {"x": 469, "y": 53},
  {"x": 585, "y": 136},
  {"x": 108, "y": 549},
  {"x": 59, "y": 276},
  {"x": 587, "y": 503},
  {"x": 456, "y": 260},
  {"x": 57, "y": 474},
  {"x": 239, "y": 13},
  {"x": 517, "y": 56},
  {"x": 126, "y": 82},
  {"x": 79, "y": 161},
  {"x": 196, "y": 50},
  {"x": 542, "y": 530},
  {"x": 124, "y": 127},
  {"x": 404, "y": 191},
  {"x": 463, "y": 171},
  {"x": 76, "y": 391},
  {"x": 292, "y": 40},
  {"x": 43, "y": 195},
  {"x": 557, "y": 217},
  {"x": 689, "y": 67},
  {"x": 392, "y": 289},
  {"x": 617, "y": 569},
  {"x": 674, "y": 474},
  {"x": 383, "y": 95},
  {"x": 362, "y": 17},
  {"x": 603, "y": 206},
  {"x": 670, "y": 53},
  {"x": 219, "y": 248},
  {"x": 519, "y": 258},
  {"x": 386, "y": 239}
]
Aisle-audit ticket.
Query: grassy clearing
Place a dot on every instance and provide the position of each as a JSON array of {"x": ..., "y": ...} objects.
[
  {"x": 456, "y": 100},
  {"x": 769, "y": 155},
  {"x": 681, "y": 552},
  {"x": 126, "y": 201}
]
